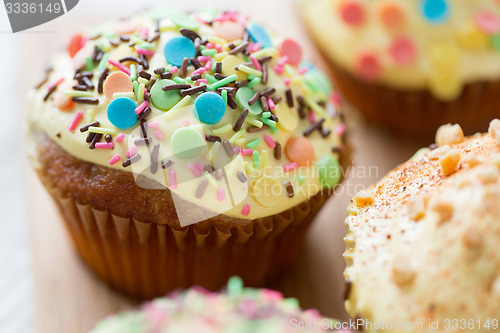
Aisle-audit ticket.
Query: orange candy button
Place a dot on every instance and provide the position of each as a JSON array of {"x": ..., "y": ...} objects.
[
  {"x": 61, "y": 100},
  {"x": 117, "y": 82},
  {"x": 391, "y": 15},
  {"x": 300, "y": 150},
  {"x": 75, "y": 44},
  {"x": 229, "y": 30}
]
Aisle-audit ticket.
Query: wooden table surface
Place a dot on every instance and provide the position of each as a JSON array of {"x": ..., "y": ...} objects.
[{"x": 69, "y": 298}]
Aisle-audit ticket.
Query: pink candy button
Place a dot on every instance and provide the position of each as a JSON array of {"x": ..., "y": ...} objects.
[
  {"x": 368, "y": 67},
  {"x": 403, "y": 50},
  {"x": 292, "y": 50},
  {"x": 488, "y": 22},
  {"x": 352, "y": 13},
  {"x": 229, "y": 30}
]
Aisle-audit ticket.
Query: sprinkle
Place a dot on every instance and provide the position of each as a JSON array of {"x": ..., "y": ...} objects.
[
  {"x": 192, "y": 90},
  {"x": 153, "y": 124},
  {"x": 248, "y": 70},
  {"x": 253, "y": 144},
  {"x": 102, "y": 130},
  {"x": 352, "y": 13},
  {"x": 289, "y": 189},
  {"x": 108, "y": 138},
  {"x": 270, "y": 142},
  {"x": 254, "y": 98},
  {"x": 194, "y": 170},
  {"x": 131, "y": 160},
  {"x": 52, "y": 88},
  {"x": 131, "y": 151},
  {"x": 246, "y": 152},
  {"x": 173, "y": 69},
  {"x": 256, "y": 159},
  {"x": 211, "y": 180},
  {"x": 241, "y": 119},
  {"x": 246, "y": 210},
  {"x": 142, "y": 141},
  {"x": 271, "y": 104},
  {"x": 264, "y": 158},
  {"x": 130, "y": 95},
  {"x": 264, "y": 104},
  {"x": 170, "y": 87},
  {"x": 204, "y": 58},
  {"x": 223, "y": 82},
  {"x": 184, "y": 66},
  {"x": 141, "y": 107},
  {"x": 102, "y": 77},
  {"x": 200, "y": 190},
  {"x": 141, "y": 116},
  {"x": 212, "y": 138},
  {"x": 145, "y": 52},
  {"x": 221, "y": 194},
  {"x": 265, "y": 73},
  {"x": 159, "y": 134},
  {"x": 268, "y": 122},
  {"x": 74, "y": 123},
  {"x": 289, "y": 97},
  {"x": 114, "y": 159},
  {"x": 166, "y": 164},
  {"x": 228, "y": 148},
  {"x": 172, "y": 179},
  {"x": 96, "y": 138},
  {"x": 236, "y": 150},
  {"x": 89, "y": 115},
  {"x": 254, "y": 129},
  {"x": 340, "y": 129},
  {"x": 290, "y": 166},
  {"x": 119, "y": 66},
  {"x": 316, "y": 126},
  {"x": 104, "y": 145},
  {"x": 237, "y": 135},
  {"x": 256, "y": 63},
  {"x": 277, "y": 151},
  {"x": 85, "y": 100},
  {"x": 239, "y": 48},
  {"x": 221, "y": 130}
]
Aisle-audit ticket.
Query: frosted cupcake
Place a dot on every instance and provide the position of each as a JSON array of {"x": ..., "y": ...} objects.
[
  {"x": 183, "y": 149},
  {"x": 422, "y": 244},
  {"x": 237, "y": 309},
  {"x": 413, "y": 65}
]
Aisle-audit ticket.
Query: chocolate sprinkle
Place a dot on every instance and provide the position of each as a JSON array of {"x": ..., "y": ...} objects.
[
  {"x": 239, "y": 48},
  {"x": 232, "y": 104},
  {"x": 159, "y": 71},
  {"x": 132, "y": 59},
  {"x": 102, "y": 77},
  {"x": 196, "y": 77},
  {"x": 108, "y": 138},
  {"x": 254, "y": 129},
  {"x": 154, "y": 158},
  {"x": 254, "y": 98},
  {"x": 228, "y": 148},
  {"x": 90, "y": 137},
  {"x": 86, "y": 127},
  {"x": 131, "y": 160},
  {"x": 195, "y": 63},
  {"x": 317, "y": 125},
  {"x": 241, "y": 119},
  {"x": 289, "y": 97},
  {"x": 51, "y": 90},
  {"x": 265, "y": 74},
  {"x": 184, "y": 66},
  {"x": 151, "y": 82},
  {"x": 268, "y": 92},
  {"x": 265, "y": 105},
  {"x": 80, "y": 87},
  {"x": 242, "y": 177},
  {"x": 144, "y": 74},
  {"x": 85, "y": 100},
  {"x": 45, "y": 78},
  {"x": 142, "y": 141},
  {"x": 189, "y": 34},
  {"x": 144, "y": 129},
  {"x": 201, "y": 188},
  {"x": 144, "y": 60},
  {"x": 218, "y": 67},
  {"x": 166, "y": 164},
  {"x": 166, "y": 76},
  {"x": 277, "y": 100},
  {"x": 289, "y": 189},
  {"x": 192, "y": 90},
  {"x": 219, "y": 76},
  {"x": 95, "y": 139},
  {"x": 144, "y": 113},
  {"x": 277, "y": 151},
  {"x": 178, "y": 86},
  {"x": 240, "y": 84},
  {"x": 325, "y": 132},
  {"x": 88, "y": 83},
  {"x": 212, "y": 138}
]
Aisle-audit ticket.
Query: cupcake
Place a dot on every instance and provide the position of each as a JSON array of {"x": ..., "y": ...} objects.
[
  {"x": 412, "y": 65},
  {"x": 236, "y": 309},
  {"x": 182, "y": 149},
  {"x": 422, "y": 244}
]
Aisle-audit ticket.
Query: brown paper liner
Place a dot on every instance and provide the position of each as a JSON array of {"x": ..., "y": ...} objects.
[
  {"x": 417, "y": 113},
  {"x": 145, "y": 260}
]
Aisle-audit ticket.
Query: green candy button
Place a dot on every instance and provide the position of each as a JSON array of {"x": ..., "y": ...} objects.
[
  {"x": 184, "y": 21},
  {"x": 243, "y": 95},
  {"x": 329, "y": 171},
  {"x": 164, "y": 100},
  {"x": 186, "y": 143}
]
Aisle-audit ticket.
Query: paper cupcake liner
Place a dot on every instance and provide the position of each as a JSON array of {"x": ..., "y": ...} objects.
[
  {"x": 417, "y": 113},
  {"x": 145, "y": 260}
]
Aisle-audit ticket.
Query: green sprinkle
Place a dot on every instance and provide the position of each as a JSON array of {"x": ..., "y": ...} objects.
[
  {"x": 130, "y": 95},
  {"x": 89, "y": 63},
  {"x": 254, "y": 122},
  {"x": 220, "y": 56},
  {"x": 104, "y": 45},
  {"x": 210, "y": 78},
  {"x": 254, "y": 82},
  {"x": 251, "y": 77},
  {"x": 301, "y": 179},
  {"x": 168, "y": 67},
  {"x": 265, "y": 158},
  {"x": 274, "y": 129},
  {"x": 266, "y": 114},
  {"x": 208, "y": 52},
  {"x": 256, "y": 159},
  {"x": 143, "y": 80},
  {"x": 140, "y": 97},
  {"x": 268, "y": 122},
  {"x": 224, "y": 95},
  {"x": 237, "y": 135},
  {"x": 229, "y": 79},
  {"x": 102, "y": 130},
  {"x": 179, "y": 80},
  {"x": 495, "y": 41},
  {"x": 104, "y": 62},
  {"x": 235, "y": 286},
  {"x": 315, "y": 106},
  {"x": 78, "y": 93},
  {"x": 221, "y": 130},
  {"x": 135, "y": 84},
  {"x": 252, "y": 144},
  {"x": 291, "y": 302},
  {"x": 133, "y": 72},
  {"x": 89, "y": 115},
  {"x": 248, "y": 70},
  {"x": 146, "y": 46},
  {"x": 188, "y": 80}
]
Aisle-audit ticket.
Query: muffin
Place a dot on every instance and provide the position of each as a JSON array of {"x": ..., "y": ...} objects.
[
  {"x": 412, "y": 65},
  {"x": 182, "y": 149},
  {"x": 235, "y": 309},
  {"x": 422, "y": 243}
]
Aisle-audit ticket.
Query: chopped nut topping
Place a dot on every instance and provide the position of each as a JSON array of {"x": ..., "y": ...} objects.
[
  {"x": 449, "y": 134},
  {"x": 416, "y": 207},
  {"x": 439, "y": 152},
  {"x": 444, "y": 210},
  {"x": 402, "y": 271},
  {"x": 472, "y": 238},
  {"x": 494, "y": 130},
  {"x": 363, "y": 198},
  {"x": 449, "y": 161},
  {"x": 471, "y": 160},
  {"x": 488, "y": 174}
]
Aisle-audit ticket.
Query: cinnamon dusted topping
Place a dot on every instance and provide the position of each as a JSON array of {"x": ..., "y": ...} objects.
[
  {"x": 363, "y": 198},
  {"x": 449, "y": 134},
  {"x": 416, "y": 207},
  {"x": 444, "y": 209},
  {"x": 494, "y": 130},
  {"x": 449, "y": 162}
]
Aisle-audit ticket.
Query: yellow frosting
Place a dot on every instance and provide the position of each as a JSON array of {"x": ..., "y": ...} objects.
[
  {"x": 460, "y": 48},
  {"x": 54, "y": 122}
]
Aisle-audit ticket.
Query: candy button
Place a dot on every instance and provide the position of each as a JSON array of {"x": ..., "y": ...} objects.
[
  {"x": 164, "y": 100},
  {"x": 178, "y": 48},
  {"x": 368, "y": 67},
  {"x": 259, "y": 34},
  {"x": 61, "y": 100},
  {"x": 124, "y": 27},
  {"x": 75, "y": 44},
  {"x": 300, "y": 150},
  {"x": 292, "y": 50},
  {"x": 352, "y": 13},
  {"x": 267, "y": 191},
  {"x": 117, "y": 82},
  {"x": 488, "y": 22},
  {"x": 287, "y": 117},
  {"x": 472, "y": 38},
  {"x": 121, "y": 112},
  {"x": 229, "y": 30},
  {"x": 243, "y": 95},
  {"x": 79, "y": 59},
  {"x": 435, "y": 11},
  {"x": 184, "y": 21},
  {"x": 186, "y": 143},
  {"x": 329, "y": 171},
  {"x": 209, "y": 108},
  {"x": 445, "y": 86},
  {"x": 403, "y": 50},
  {"x": 228, "y": 64},
  {"x": 391, "y": 15}
]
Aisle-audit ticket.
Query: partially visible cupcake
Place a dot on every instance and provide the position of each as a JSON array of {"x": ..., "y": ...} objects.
[
  {"x": 235, "y": 310},
  {"x": 422, "y": 244},
  {"x": 182, "y": 149},
  {"x": 413, "y": 65}
]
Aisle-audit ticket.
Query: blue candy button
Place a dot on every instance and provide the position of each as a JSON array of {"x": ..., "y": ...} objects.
[
  {"x": 121, "y": 112},
  {"x": 435, "y": 11},
  {"x": 177, "y": 49},
  {"x": 259, "y": 34},
  {"x": 209, "y": 108}
]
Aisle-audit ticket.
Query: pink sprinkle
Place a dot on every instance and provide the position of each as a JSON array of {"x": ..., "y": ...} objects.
[
  {"x": 78, "y": 118},
  {"x": 186, "y": 123},
  {"x": 283, "y": 61},
  {"x": 141, "y": 107},
  {"x": 287, "y": 81},
  {"x": 290, "y": 166},
  {"x": 246, "y": 210},
  {"x": 256, "y": 63},
  {"x": 312, "y": 117},
  {"x": 145, "y": 52},
  {"x": 271, "y": 104},
  {"x": 270, "y": 142},
  {"x": 340, "y": 129},
  {"x": 196, "y": 172},
  {"x": 120, "y": 137},
  {"x": 144, "y": 33},
  {"x": 113, "y": 159},
  {"x": 210, "y": 45},
  {"x": 199, "y": 166},
  {"x": 104, "y": 145},
  {"x": 236, "y": 150},
  {"x": 200, "y": 70},
  {"x": 199, "y": 81},
  {"x": 272, "y": 295},
  {"x": 302, "y": 71},
  {"x": 335, "y": 98},
  {"x": 246, "y": 151},
  {"x": 56, "y": 83},
  {"x": 119, "y": 66},
  {"x": 172, "y": 180},
  {"x": 221, "y": 194},
  {"x": 131, "y": 151},
  {"x": 254, "y": 47},
  {"x": 84, "y": 41},
  {"x": 218, "y": 48},
  {"x": 159, "y": 134},
  {"x": 173, "y": 69},
  {"x": 208, "y": 66},
  {"x": 153, "y": 124},
  {"x": 203, "y": 58},
  {"x": 278, "y": 69}
]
